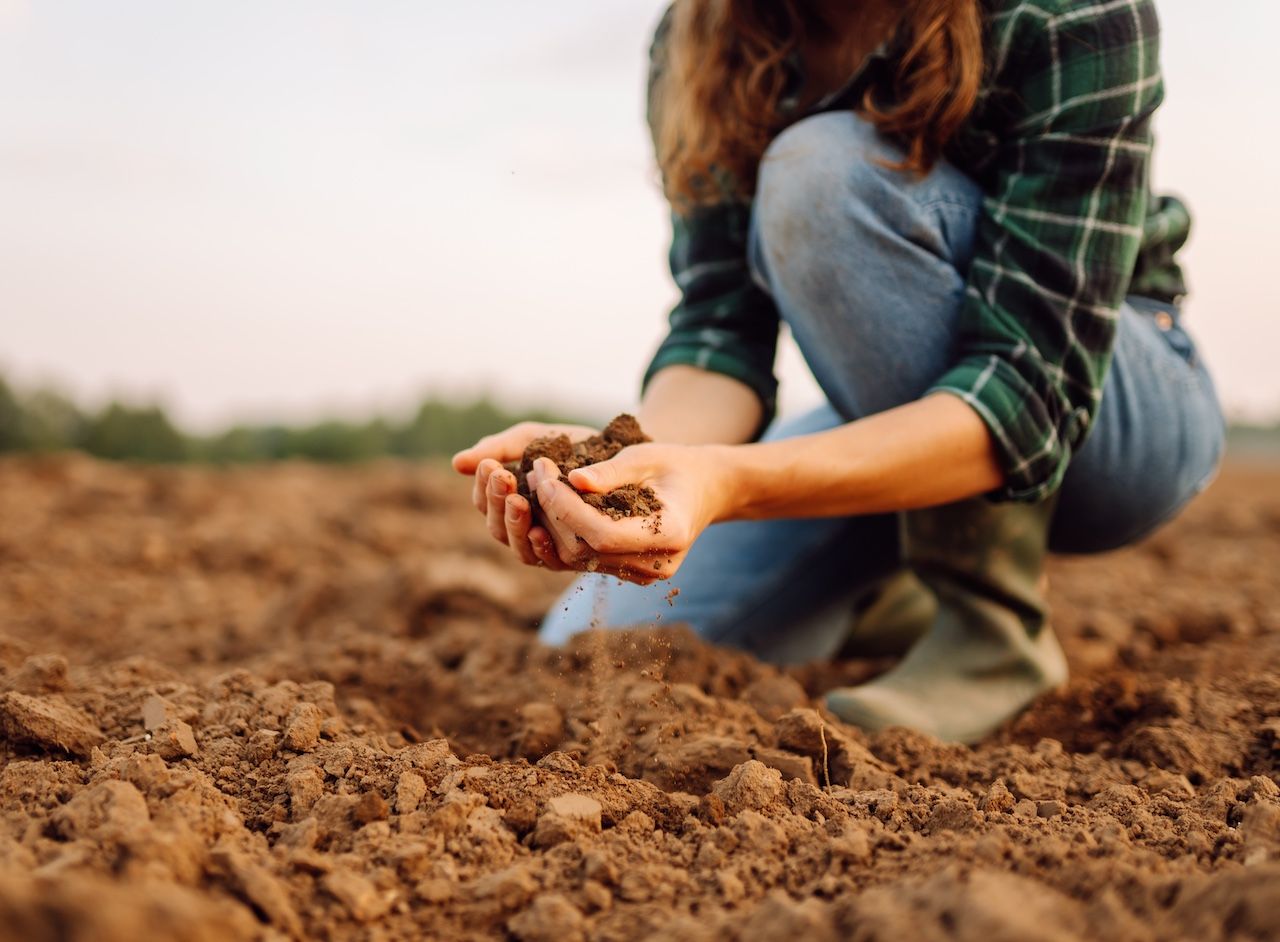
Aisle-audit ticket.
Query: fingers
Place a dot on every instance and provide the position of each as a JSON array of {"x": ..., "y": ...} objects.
[
  {"x": 571, "y": 551},
  {"x": 544, "y": 549},
  {"x": 569, "y": 518},
  {"x": 501, "y": 447},
  {"x": 519, "y": 520},
  {"x": 630, "y": 466},
  {"x": 502, "y": 484},
  {"x": 559, "y": 546},
  {"x": 480, "y": 485}
]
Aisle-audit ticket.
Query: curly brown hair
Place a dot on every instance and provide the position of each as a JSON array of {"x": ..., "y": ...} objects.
[{"x": 724, "y": 72}]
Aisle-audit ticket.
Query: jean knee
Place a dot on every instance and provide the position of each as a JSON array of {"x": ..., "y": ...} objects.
[
  {"x": 1097, "y": 517},
  {"x": 812, "y": 167}
]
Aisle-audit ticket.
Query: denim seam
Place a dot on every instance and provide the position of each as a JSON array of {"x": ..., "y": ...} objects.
[{"x": 946, "y": 200}]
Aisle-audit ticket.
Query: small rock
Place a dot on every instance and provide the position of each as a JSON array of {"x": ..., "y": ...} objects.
[
  {"x": 750, "y": 785},
  {"x": 1260, "y": 826},
  {"x": 693, "y": 765},
  {"x": 509, "y": 888},
  {"x": 302, "y": 729},
  {"x": 541, "y": 729},
  {"x": 596, "y": 897},
  {"x": 110, "y": 810},
  {"x": 1172, "y": 784},
  {"x": 260, "y": 888},
  {"x": 146, "y": 771},
  {"x": 551, "y": 918},
  {"x": 42, "y": 673},
  {"x": 174, "y": 739},
  {"x": 357, "y": 893},
  {"x": 305, "y": 786},
  {"x": 636, "y": 886},
  {"x": 574, "y": 805},
  {"x": 789, "y": 764},
  {"x": 600, "y": 867},
  {"x": 430, "y": 756},
  {"x": 637, "y": 822},
  {"x": 302, "y": 835},
  {"x": 773, "y": 696},
  {"x": 853, "y": 843},
  {"x": 998, "y": 799},
  {"x": 409, "y": 791},
  {"x": 559, "y": 762},
  {"x": 1025, "y": 808},
  {"x": 953, "y": 814},
  {"x": 261, "y": 746},
  {"x": 370, "y": 807},
  {"x": 567, "y": 817},
  {"x": 434, "y": 890},
  {"x": 1050, "y": 809},
  {"x": 778, "y": 916},
  {"x": 156, "y": 711},
  {"x": 47, "y": 722},
  {"x": 801, "y": 731}
]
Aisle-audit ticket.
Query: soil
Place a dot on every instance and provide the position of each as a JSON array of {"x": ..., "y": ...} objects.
[
  {"x": 631, "y": 500},
  {"x": 303, "y": 703}
]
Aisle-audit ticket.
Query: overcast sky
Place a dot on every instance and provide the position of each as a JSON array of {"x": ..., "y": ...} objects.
[{"x": 283, "y": 208}]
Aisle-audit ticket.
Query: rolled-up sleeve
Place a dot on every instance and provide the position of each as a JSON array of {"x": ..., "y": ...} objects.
[
  {"x": 1059, "y": 233},
  {"x": 723, "y": 322}
]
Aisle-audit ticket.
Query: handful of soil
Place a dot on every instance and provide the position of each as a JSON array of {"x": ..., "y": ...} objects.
[{"x": 630, "y": 500}]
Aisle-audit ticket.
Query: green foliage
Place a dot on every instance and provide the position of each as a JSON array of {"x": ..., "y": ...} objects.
[
  {"x": 442, "y": 428},
  {"x": 43, "y": 420},
  {"x": 1257, "y": 441},
  {"x": 133, "y": 433},
  {"x": 46, "y": 420},
  {"x": 11, "y": 437}
]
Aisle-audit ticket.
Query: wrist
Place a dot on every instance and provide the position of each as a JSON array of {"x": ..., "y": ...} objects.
[
  {"x": 806, "y": 476},
  {"x": 735, "y": 481}
]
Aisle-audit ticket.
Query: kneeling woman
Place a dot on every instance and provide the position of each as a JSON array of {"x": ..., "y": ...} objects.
[{"x": 947, "y": 202}]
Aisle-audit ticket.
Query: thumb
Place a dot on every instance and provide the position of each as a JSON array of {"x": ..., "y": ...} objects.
[{"x": 608, "y": 475}]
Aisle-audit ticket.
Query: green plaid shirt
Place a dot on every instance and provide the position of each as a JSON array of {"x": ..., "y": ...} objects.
[{"x": 1060, "y": 142}]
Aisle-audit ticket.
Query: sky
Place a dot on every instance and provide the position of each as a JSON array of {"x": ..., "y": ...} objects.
[{"x": 282, "y": 209}]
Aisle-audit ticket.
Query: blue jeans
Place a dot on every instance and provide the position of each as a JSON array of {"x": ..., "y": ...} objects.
[{"x": 873, "y": 304}]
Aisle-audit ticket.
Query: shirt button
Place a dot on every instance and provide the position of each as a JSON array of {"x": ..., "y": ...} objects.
[{"x": 1164, "y": 320}]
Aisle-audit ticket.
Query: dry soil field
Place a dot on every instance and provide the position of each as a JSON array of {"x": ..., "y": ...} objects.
[{"x": 306, "y": 703}]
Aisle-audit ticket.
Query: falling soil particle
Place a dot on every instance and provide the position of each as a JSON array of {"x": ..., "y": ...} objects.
[
  {"x": 630, "y": 500},
  {"x": 385, "y": 751}
]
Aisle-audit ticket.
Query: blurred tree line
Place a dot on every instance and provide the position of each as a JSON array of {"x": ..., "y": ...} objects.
[{"x": 45, "y": 420}]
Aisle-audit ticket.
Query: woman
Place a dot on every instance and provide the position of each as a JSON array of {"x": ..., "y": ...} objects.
[{"x": 947, "y": 202}]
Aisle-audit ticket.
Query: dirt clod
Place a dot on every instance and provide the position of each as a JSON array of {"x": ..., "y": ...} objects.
[
  {"x": 46, "y": 723},
  {"x": 302, "y": 731},
  {"x": 630, "y": 500}
]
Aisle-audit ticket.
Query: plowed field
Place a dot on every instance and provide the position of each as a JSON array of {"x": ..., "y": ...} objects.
[{"x": 293, "y": 702}]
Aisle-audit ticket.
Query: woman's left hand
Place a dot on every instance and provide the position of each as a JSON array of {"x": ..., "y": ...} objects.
[{"x": 690, "y": 482}]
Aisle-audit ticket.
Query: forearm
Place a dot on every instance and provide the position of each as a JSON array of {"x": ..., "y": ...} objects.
[
  {"x": 932, "y": 451},
  {"x": 688, "y": 406}
]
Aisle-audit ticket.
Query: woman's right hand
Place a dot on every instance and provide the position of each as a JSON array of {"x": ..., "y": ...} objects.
[{"x": 508, "y": 515}]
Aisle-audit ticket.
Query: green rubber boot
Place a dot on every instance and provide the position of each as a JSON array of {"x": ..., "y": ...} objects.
[
  {"x": 891, "y": 618},
  {"x": 990, "y": 652}
]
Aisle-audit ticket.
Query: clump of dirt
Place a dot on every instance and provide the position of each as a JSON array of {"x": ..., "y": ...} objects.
[
  {"x": 631, "y": 500},
  {"x": 297, "y": 703}
]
